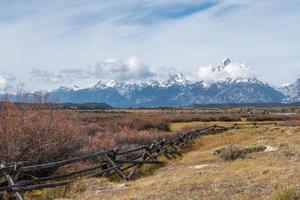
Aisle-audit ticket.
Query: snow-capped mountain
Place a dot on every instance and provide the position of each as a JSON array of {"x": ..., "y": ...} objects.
[
  {"x": 291, "y": 91},
  {"x": 231, "y": 85},
  {"x": 226, "y": 70}
]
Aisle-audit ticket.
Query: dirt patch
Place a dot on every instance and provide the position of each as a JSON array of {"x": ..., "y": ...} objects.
[
  {"x": 270, "y": 148},
  {"x": 199, "y": 166}
]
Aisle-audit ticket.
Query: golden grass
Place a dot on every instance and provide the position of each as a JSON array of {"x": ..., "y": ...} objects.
[{"x": 201, "y": 175}]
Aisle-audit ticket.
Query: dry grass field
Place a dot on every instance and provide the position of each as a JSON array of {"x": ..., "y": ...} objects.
[
  {"x": 249, "y": 162},
  {"x": 200, "y": 174}
]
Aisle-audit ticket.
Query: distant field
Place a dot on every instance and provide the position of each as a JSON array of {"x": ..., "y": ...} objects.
[{"x": 177, "y": 126}]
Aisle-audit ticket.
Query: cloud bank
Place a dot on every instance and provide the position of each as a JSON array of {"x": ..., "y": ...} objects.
[
  {"x": 133, "y": 69},
  {"x": 64, "y": 76},
  {"x": 184, "y": 34},
  {"x": 112, "y": 69},
  {"x": 121, "y": 70}
]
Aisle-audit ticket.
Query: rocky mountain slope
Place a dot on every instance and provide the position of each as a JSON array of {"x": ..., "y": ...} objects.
[
  {"x": 291, "y": 91},
  {"x": 175, "y": 91}
]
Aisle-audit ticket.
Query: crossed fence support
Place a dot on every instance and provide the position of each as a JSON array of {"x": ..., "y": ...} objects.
[{"x": 6, "y": 195}]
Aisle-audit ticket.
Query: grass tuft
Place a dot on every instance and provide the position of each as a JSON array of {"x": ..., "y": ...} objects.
[{"x": 286, "y": 194}]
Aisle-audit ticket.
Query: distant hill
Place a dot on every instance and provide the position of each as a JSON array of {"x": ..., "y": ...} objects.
[
  {"x": 86, "y": 106},
  {"x": 73, "y": 106}
]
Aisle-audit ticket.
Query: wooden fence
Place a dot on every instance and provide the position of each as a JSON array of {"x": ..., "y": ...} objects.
[{"x": 18, "y": 178}]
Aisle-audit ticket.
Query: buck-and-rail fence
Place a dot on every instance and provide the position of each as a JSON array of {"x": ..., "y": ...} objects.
[{"x": 18, "y": 178}]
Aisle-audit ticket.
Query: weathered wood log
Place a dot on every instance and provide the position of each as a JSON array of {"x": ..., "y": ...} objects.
[
  {"x": 139, "y": 161},
  {"x": 116, "y": 168},
  {"x": 38, "y": 186},
  {"x": 49, "y": 178},
  {"x": 11, "y": 183},
  {"x": 107, "y": 170},
  {"x": 55, "y": 164},
  {"x": 135, "y": 168},
  {"x": 133, "y": 150},
  {"x": 3, "y": 189}
]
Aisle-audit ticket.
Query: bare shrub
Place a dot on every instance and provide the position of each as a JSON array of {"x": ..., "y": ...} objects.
[
  {"x": 272, "y": 117},
  {"x": 32, "y": 131},
  {"x": 125, "y": 139},
  {"x": 108, "y": 129}
]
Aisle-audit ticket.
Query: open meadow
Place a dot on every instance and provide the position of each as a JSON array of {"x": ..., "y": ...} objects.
[
  {"x": 273, "y": 173},
  {"x": 256, "y": 155}
]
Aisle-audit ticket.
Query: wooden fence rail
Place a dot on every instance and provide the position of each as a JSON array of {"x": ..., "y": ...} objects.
[{"x": 18, "y": 178}]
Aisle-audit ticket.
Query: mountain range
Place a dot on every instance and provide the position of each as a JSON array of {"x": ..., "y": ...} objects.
[
  {"x": 291, "y": 91},
  {"x": 176, "y": 90}
]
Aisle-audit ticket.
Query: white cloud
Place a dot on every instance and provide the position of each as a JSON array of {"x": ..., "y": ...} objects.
[
  {"x": 2, "y": 82},
  {"x": 225, "y": 70},
  {"x": 122, "y": 70},
  {"x": 6, "y": 80}
]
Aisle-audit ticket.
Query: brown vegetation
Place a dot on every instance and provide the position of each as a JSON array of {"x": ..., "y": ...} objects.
[
  {"x": 129, "y": 128},
  {"x": 31, "y": 133},
  {"x": 34, "y": 131}
]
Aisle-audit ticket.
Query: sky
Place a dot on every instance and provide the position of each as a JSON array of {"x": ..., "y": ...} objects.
[{"x": 45, "y": 44}]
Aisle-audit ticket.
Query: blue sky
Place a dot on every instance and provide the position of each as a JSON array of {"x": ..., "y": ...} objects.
[{"x": 45, "y": 44}]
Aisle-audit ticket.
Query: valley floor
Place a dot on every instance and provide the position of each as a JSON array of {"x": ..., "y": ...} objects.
[{"x": 199, "y": 174}]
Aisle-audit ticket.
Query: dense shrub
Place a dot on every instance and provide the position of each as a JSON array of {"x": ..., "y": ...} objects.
[
  {"x": 233, "y": 152},
  {"x": 31, "y": 133}
]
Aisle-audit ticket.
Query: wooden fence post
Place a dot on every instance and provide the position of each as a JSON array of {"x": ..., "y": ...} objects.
[
  {"x": 7, "y": 195},
  {"x": 132, "y": 172},
  {"x": 111, "y": 160}
]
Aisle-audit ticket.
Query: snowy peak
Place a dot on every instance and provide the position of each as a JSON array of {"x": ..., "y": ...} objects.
[
  {"x": 106, "y": 84},
  {"x": 291, "y": 91},
  {"x": 225, "y": 62},
  {"x": 285, "y": 85},
  {"x": 178, "y": 78},
  {"x": 175, "y": 79},
  {"x": 252, "y": 80},
  {"x": 226, "y": 71}
]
